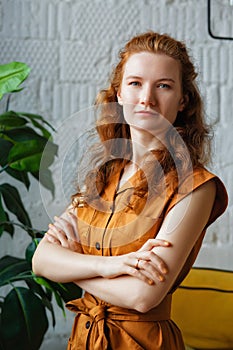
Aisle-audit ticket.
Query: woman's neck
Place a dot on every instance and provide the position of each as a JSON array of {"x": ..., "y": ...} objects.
[{"x": 142, "y": 143}]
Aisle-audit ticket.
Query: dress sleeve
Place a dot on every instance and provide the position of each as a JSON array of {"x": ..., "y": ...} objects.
[
  {"x": 189, "y": 185},
  {"x": 198, "y": 177}
]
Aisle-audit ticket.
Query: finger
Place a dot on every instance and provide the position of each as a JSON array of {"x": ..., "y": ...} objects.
[
  {"x": 151, "y": 243},
  {"x": 146, "y": 267},
  {"x": 71, "y": 210},
  {"x": 71, "y": 215},
  {"x": 67, "y": 226},
  {"x": 139, "y": 274},
  {"x": 73, "y": 245},
  {"x": 70, "y": 244},
  {"x": 49, "y": 237},
  {"x": 59, "y": 234},
  {"x": 73, "y": 220},
  {"x": 150, "y": 271},
  {"x": 64, "y": 225},
  {"x": 155, "y": 259}
]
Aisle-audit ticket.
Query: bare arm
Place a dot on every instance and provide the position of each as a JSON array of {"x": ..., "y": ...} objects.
[
  {"x": 58, "y": 257},
  {"x": 179, "y": 229},
  {"x": 182, "y": 227},
  {"x": 60, "y": 264}
]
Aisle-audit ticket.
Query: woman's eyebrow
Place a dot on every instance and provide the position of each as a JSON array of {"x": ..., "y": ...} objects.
[
  {"x": 166, "y": 79},
  {"x": 133, "y": 77},
  {"x": 129, "y": 77}
]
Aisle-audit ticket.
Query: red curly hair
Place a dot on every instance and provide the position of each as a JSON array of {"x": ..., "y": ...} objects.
[{"x": 189, "y": 124}]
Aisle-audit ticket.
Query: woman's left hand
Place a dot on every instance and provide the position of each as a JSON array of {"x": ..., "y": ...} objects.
[{"x": 143, "y": 264}]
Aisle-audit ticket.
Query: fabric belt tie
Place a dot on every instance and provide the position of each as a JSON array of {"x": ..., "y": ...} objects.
[
  {"x": 97, "y": 313},
  {"x": 101, "y": 312}
]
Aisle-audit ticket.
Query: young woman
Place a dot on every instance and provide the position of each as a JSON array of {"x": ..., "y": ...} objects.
[{"x": 132, "y": 235}]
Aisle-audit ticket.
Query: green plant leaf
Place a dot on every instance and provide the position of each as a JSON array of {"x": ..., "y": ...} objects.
[
  {"x": 43, "y": 282},
  {"x": 27, "y": 329},
  {"x": 27, "y": 155},
  {"x": 50, "y": 286},
  {"x": 44, "y": 176},
  {"x": 8, "y": 227},
  {"x": 11, "y": 267},
  {"x": 45, "y": 297},
  {"x": 30, "y": 250},
  {"x": 14, "y": 203},
  {"x": 68, "y": 291},
  {"x": 49, "y": 153},
  {"x": 3, "y": 216},
  {"x": 5, "y": 147},
  {"x": 21, "y": 176},
  {"x": 34, "y": 120},
  {"x": 59, "y": 302},
  {"x": 39, "y": 117},
  {"x": 23, "y": 133},
  {"x": 1, "y": 340},
  {"x": 11, "y": 76},
  {"x": 44, "y": 131},
  {"x": 11, "y": 119}
]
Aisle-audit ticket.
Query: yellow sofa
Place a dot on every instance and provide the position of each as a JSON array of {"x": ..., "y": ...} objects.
[{"x": 203, "y": 309}]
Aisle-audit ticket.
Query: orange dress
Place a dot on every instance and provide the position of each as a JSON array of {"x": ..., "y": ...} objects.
[{"x": 120, "y": 224}]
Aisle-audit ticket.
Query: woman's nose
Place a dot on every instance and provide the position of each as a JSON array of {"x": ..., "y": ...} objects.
[{"x": 148, "y": 98}]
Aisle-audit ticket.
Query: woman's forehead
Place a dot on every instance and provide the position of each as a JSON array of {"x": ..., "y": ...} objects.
[{"x": 154, "y": 64}]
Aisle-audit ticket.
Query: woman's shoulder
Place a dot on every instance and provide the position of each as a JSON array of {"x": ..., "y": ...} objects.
[
  {"x": 194, "y": 180},
  {"x": 198, "y": 176},
  {"x": 221, "y": 198}
]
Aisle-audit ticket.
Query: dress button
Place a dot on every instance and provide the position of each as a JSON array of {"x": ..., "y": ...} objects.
[
  {"x": 88, "y": 323},
  {"x": 97, "y": 245}
]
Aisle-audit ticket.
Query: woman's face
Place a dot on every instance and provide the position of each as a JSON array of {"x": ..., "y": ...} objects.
[{"x": 151, "y": 91}]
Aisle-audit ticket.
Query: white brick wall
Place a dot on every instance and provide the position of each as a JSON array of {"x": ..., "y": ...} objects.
[{"x": 71, "y": 46}]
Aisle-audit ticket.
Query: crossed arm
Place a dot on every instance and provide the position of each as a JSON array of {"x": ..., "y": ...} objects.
[{"x": 115, "y": 279}]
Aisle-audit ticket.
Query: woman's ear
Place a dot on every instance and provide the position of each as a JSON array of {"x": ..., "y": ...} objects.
[
  {"x": 119, "y": 99},
  {"x": 183, "y": 102}
]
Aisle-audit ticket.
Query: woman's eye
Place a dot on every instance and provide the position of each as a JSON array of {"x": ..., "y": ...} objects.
[
  {"x": 164, "y": 86},
  {"x": 134, "y": 83}
]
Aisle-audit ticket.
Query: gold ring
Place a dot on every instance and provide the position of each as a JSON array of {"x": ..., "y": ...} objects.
[{"x": 137, "y": 265}]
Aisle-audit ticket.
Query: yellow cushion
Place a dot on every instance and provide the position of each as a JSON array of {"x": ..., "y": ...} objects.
[{"x": 203, "y": 309}]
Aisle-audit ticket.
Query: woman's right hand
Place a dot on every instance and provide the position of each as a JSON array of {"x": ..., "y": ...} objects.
[
  {"x": 143, "y": 264},
  {"x": 64, "y": 231}
]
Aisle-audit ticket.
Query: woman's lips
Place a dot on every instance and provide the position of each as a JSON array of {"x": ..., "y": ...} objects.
[{"x": 146, "y": 112}]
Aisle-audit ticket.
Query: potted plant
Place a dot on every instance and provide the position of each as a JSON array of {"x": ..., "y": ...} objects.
[{"x": 25, "y": 297}]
